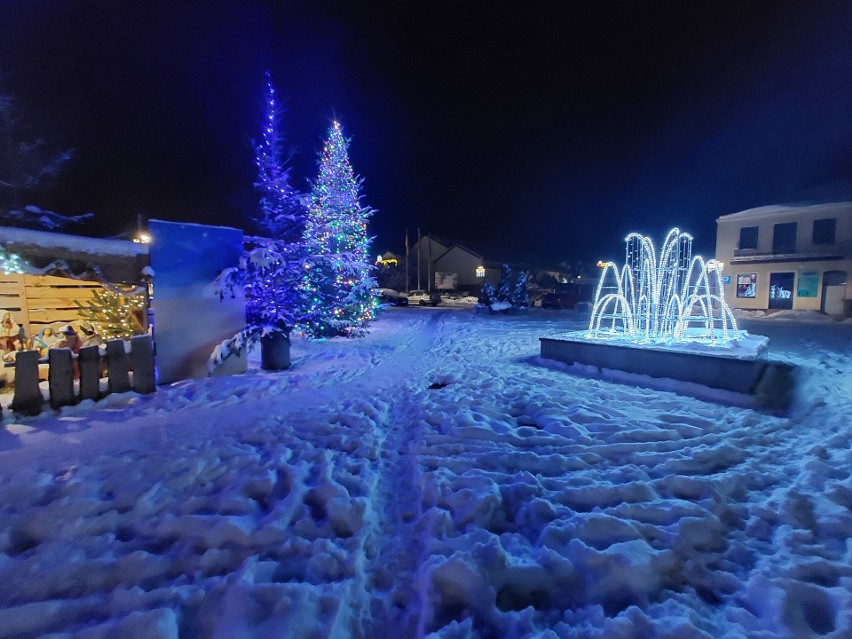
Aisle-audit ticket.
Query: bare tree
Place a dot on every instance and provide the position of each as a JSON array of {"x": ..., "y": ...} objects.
[{"x": 24, "y": 165}]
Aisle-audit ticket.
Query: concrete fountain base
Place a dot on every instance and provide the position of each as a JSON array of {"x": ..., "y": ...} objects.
[{"x": 741, "y": 368}]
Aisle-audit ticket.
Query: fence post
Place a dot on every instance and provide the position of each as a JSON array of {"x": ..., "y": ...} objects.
[
  {"x": 142, "y": 361},
  {"x": 118, "y": 366},
  {"x": 89, "y": 363},
  {"x": 27, "y": 399},
  {"x": 60, "y": 377}
]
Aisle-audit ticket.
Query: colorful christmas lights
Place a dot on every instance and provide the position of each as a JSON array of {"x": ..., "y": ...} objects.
[{"x": 338, "y": 279}]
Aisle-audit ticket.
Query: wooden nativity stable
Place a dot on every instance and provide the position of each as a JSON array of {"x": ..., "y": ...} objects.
[{"x": 62, "y": 273}]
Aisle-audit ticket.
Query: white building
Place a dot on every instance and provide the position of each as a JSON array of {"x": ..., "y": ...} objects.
[{"x": 788, "y": 257}]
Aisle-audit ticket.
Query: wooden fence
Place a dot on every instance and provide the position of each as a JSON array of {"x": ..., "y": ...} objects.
[
  {"x": 37, "y": 301},
  {"x": 64, "y": 366}
]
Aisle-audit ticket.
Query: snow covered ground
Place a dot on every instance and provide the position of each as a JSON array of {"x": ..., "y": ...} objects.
[{"x": 436, "y": 479}]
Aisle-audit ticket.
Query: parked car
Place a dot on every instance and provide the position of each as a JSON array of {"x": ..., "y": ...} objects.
[
  {"x": 563, "y": 296},
  {"x": 390, "y": 296},
  {"x": 424, "y": 298}
]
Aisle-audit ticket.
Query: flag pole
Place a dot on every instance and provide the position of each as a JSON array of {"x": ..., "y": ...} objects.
[
  {"x": 418, "y": 258},
  {"x": 429, "y": 265},
  {"x": 406, "y": 260}
]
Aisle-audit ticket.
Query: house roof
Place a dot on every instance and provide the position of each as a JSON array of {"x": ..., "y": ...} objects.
[{"x": 13, "y": 237}]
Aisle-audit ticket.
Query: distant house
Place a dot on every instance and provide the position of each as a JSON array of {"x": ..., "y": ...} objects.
[
  {"x": 390, "y": 260},
  {"x": 788, "y": 257},
  {"x": 446, "y": 264}
]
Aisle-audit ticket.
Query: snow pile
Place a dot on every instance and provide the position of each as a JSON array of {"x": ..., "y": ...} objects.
[
  {"x": 786, "y": 314},
  {"x": 459, "y": 300},
  {"x": 435, "y": 479}
]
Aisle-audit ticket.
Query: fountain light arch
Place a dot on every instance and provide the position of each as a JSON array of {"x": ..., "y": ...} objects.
[{"x": 665, "y": 297}]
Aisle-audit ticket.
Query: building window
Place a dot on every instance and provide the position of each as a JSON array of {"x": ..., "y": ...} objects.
[
  {"x": 807, "y": 284},
  {"x": 781, "y": 290},
  {"x": 747, "y": 285},
  {"x": 824, "y": 231},
  {"x": 784, "y": 238},
  {"x": 748, "y": 237}
]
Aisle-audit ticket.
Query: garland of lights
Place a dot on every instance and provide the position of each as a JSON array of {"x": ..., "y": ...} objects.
[
  {"x": 671, "y": 298},
  {"x": 61, "y": 266},
  {"x": 12, "y": 263}
]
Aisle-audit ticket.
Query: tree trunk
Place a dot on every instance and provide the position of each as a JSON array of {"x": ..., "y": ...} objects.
[{"x": 275, "y": 352}]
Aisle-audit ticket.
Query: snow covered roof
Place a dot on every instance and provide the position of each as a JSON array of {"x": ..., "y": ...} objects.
[
  {"x": 13, "y": 238},
  {"x": 116, "y": 260},
  {"x": 774, "y": 210}
]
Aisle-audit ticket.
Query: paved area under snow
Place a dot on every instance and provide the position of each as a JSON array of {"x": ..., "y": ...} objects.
[{"x": 436, "y": 479}]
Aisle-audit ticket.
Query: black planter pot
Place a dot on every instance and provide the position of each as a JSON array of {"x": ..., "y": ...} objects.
[{"x": 275, "y": 352}]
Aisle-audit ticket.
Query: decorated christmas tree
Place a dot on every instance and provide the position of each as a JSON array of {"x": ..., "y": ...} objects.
[
  {"x": 338, "y": 270},
  {"x": 114, "y": 314}
]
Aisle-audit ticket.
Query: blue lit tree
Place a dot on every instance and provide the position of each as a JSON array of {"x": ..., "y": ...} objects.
[
  {"x": 273, "y": 264},
  {"x": 338, "y": 271},
  {"x": 274, "y": 298}
]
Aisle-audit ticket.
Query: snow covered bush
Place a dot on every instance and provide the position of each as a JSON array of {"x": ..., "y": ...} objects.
[
  {"x": 504, "y": 290},
  {"x": 520, "y": 296},
  {"x": 487, "y": 296}
]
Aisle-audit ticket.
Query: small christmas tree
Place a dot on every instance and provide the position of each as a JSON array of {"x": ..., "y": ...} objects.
[
  {"x": 504, "y": 291},
  {"x": 114, "y": 315},
  {"x": 520, "y": 296},
  {"x": 338, "y": 277}
]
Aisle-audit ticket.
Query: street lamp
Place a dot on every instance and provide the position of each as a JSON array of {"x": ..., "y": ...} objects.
[{"x": 480, "y": 271}]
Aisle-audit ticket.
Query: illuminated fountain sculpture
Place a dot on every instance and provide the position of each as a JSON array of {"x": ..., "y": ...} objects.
[
  {"x": 666, "y": 298},
  {"x": 663, "y": 315}
]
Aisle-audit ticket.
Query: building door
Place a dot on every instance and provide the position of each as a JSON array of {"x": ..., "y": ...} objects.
[
  {"x": 833, "y": 292},
  {"x": 781, "y": 290}
]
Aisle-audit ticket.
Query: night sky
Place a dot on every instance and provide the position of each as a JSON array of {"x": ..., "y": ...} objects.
[{"x": 542, "y": 131}]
